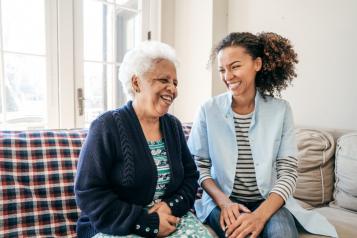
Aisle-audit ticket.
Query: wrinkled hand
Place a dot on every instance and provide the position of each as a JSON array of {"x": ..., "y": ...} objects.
[
  {"x": 161, "y": 207},
  {"x": 246, "y": 224},
  {"x": 230, "y": 213},
  {"x": 168, "y": 224}
]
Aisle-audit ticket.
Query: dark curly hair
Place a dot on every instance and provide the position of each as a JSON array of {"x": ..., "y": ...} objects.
[{"x": 276, "y": 52}]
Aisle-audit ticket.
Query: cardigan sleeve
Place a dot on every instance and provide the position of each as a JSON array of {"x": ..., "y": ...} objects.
[
  {"x": 94, "y": 192},
  {"x": 183, "y": 199}
]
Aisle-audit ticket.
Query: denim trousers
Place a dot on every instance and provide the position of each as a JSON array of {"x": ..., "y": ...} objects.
[{"x": 281, "y": 224}]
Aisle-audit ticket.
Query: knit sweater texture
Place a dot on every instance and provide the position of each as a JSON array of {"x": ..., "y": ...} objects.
[{"x": 116, "y": 175}]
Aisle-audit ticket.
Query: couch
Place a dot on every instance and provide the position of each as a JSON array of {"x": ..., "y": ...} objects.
[
  {"x": 37, "y": 170},
  {"x": 327, "y": 173}
]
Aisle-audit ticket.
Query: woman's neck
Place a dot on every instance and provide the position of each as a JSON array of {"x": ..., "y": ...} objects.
[
  {"x": 243, "y": 104},
  {"x": 149, "y": 124},
  {"x": 143, "y": 115}
]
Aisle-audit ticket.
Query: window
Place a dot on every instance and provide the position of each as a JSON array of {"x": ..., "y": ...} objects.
[
  {"x": 59, "y": 59},
  {"x": 26, "y": 61},
  {"x": 109, "y": 29}
]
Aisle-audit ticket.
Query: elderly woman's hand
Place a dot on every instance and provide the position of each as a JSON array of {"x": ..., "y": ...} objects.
[
  {"x": 246, "y": 224},
  {"x": 161, "y": 207},
  {"x": 230, "y": 213},
  {"x": 168, "y": 224}
]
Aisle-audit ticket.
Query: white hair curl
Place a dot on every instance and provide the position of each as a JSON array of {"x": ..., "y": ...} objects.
[{"x": 140, "y": 59}]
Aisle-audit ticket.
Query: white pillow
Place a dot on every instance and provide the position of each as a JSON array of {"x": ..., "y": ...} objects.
[{"x": 345, "y": 194}]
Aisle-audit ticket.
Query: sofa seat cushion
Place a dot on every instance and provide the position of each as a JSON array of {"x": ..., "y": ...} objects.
[
  {"x": 344, "y": 222},
  {"x": 345, "y": 194},
  {"x": 315, "y": 168},
  {"x": 37, "y": 170}
]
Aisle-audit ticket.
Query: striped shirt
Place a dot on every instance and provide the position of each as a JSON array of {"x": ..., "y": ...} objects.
[{"x": 245, "y": 185}]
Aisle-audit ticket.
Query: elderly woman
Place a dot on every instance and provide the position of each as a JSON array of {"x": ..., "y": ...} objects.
[{"x": 136, "y": 175}]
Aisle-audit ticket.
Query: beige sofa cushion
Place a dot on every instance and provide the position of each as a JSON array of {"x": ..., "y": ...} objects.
[
  {"x": 344, "y": 222},
  {"x": 316, "y": 167},
  {"x": 345, "y": 194}
]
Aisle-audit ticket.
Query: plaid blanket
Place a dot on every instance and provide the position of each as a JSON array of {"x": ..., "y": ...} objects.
[
  {"x": 186, "y": 127},
  {"x": 37, "y": 170}
]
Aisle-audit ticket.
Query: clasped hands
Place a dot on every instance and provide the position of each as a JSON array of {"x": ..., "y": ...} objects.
[
  {"x": 237, "y": 221},
  {"x": 168, "y": 222}
]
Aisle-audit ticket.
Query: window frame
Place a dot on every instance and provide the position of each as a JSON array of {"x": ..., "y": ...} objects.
[{"x": 64, "y": 62}]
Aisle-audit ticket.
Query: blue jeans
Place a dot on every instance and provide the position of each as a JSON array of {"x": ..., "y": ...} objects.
[{"x": 281, "y": 224}]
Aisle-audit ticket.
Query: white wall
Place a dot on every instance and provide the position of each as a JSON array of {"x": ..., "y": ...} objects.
[
  {"x": 192, "y": 27},
  {"x": 219, "y": 30},
  {"x": 192, "y": 41},
  {"x": 324, "y": 33},
  {"x": 167, "y": 21}
]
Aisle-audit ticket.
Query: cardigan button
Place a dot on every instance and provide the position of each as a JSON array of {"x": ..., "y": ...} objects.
[
  {"x": 137, "y": 227},
  {"x": 156, "y": 231},
  {"x": 171, "y": 204},
  {"x": 176, "y": 200},
  {"x": 147, "y": 229}
]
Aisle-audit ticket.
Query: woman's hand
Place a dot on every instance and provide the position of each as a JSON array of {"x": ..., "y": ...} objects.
[
  {"x": 230, "y": 212},
  {"x": 168, "y": 224},
  {"x": 161, "y": 207},
  {"x": 246, "y": 224},
  {"x": 253, "y": 223}
]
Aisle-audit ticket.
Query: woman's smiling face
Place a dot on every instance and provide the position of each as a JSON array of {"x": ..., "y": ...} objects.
[
  {"x": 238, "y": 70},
  {"x": 158, "y": 88}
]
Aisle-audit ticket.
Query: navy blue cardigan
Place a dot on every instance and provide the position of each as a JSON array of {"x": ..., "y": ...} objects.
[{"x": 116, "y": 175}]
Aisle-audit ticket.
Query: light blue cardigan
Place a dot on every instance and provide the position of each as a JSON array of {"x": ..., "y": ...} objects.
[{"x": 271, "y": 137}]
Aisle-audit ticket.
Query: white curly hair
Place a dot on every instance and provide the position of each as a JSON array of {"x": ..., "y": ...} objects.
[{"x": 140, "y": 59}]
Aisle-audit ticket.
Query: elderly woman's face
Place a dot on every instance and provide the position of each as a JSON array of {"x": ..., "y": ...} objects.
[{"x": 158, "y": 88}]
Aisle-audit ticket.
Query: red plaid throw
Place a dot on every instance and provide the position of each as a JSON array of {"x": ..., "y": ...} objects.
[
  {"x": 186, "y": 127},
  {"x": 37, "y": 170}
]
